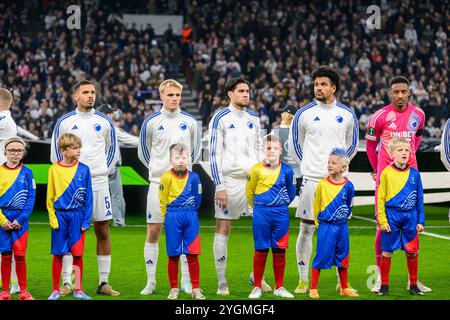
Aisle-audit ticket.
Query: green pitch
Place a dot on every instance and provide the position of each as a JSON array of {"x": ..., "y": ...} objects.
[{"x": 129, "y": 277}]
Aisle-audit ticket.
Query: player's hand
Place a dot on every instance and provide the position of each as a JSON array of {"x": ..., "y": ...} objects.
[
  {"x": 83, "y": 229},
  {"x": 419, "y": 228},
  {"x": 386, "y": 228},
  {"x": 15, "y": 225},
  {"x": 374, "y": 176},
  {"x": 221, "y": 198},
  {"x": 7, "y": 226}
]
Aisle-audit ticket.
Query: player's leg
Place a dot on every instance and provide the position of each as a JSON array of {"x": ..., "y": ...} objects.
[
  {"x": 173, "y": 277},
  {"x": 377, "y": 243},
  {"x": 15, "y": 288},
  {"x": 6, "y": 273},
  {"x": 101, "y": 215},
  {"x": 174, "y": 247},
  {"x": 191, "y": 250},
  {"x": 261, "y": 229},
  {"x": 151, "y": 248},
  {"x": 66, "y": 274},
  {"x": 76, "y": 243},
  {"x": 410, "y": 244},
  {"x": 20, "y": 242},
  {"x": 223, "y": 228},
  {"x": 342, "y": 255},
  {"x": 279, "y": 243},
  {"x": 324, "y": 257},
  {"x": 305, "y": 212}
]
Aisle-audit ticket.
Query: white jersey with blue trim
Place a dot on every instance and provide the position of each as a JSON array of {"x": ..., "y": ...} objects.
[
  {"x": 235, "y": 144},
  {"x": 8, "y": 129},
  {"x": 316, "y": 129},
  {"x": 445, "y": 145},
  {"x": 98, "y": 137},
  {"x": 162, "y": 129}
]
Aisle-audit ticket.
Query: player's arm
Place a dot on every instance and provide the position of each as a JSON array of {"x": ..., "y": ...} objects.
[
  {"x": 31, "y": 197},
  {"x": 126, "y": 138},
  {"x": 291, "y": 185},
  {"x": 89, "y": 202},
  {"x": 296, "y": 138},
  {"x": 197, "y": 191},
  {"x": 445, "y": 145},
  {"x": 51, "y": 199},
  {"x": 25, "y": 133},
  {"x": 250, "y": 186},
  {"x": 145, "y": 143},
  {"x": 382, "y": 193},
  {"x": 55, "y": 153},
  {"x": 196, "y": 141},
  {"x": 111, "y": 144},
  {"x": 351, "y": 195},
  {"x": 317, "y": 203},
  {"x": 373, "y": 135},
  {"x": 420, "y": 203},
  {"x": 215, "y": 152},
  {"x": 163, "y": 194},
  {"x": 420, "y": 130},
  {"x": 259, "y": 141},
  {"x": 352, "y": 137}
]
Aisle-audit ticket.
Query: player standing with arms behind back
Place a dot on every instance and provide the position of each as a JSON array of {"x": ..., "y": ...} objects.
[
  {"x": 235, "y": 145},
  {"x": 396, "y": 120},
  {"x": 98, "y": 138},
  {"x": 159, "y": 131},
  {"x": 317, "y": 128}
]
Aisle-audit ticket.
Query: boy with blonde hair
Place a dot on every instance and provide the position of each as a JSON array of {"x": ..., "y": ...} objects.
[
  {"x": 400, "y": 213},
  {"x": 69, "y": 204}
]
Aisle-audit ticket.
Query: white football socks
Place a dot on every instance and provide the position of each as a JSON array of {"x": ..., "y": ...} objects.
[
  {"x": 220, "y": 257},
  {"x": 304, "y": 249},
  {"x": 151, "y": 251},
  {"x": 104, "y": 268},
  {"x": 185, "y": 277},
  {"x": 13, "y": 269},
  {"x": 66, "y": 271}
]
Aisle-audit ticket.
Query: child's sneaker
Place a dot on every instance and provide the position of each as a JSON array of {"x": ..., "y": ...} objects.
[
  {"x": 173, "y": 294},
  {"x": 255, "y": 294},
  {"x": 415, "y": 291},
  {"x": 81, "y": 295},
  {"x": 55, "y": 295},
  {"x": 314, "y": 294},
  {"x": 198, "y": 294},
  {"x": 384, "y": 290},
  {"x": 348, "y": 292},
  {"x": 25, "y": 295},
  {"x": 5, "y": 295}
]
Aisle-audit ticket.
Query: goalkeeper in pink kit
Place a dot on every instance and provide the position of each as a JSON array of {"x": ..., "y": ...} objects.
[{"x": 396, "y": 120}]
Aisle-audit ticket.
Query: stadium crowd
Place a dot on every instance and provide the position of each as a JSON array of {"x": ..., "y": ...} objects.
[{"x": 275, "y": 45}]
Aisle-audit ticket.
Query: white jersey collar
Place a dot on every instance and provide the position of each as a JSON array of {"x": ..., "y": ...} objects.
[
  {"x": 326, "y": 106},
  {"x": 85, "y": 114},
  {"x": 170, "y": 114},
  {"x": 6, "y": 113},
  {"x": 236, "y": 110}
]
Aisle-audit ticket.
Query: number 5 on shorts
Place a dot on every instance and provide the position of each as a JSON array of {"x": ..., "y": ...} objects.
[{"x": 107, "y": 204}]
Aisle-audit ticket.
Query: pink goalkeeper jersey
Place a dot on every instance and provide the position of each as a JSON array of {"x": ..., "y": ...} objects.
[{"x": 389, "y": 123}]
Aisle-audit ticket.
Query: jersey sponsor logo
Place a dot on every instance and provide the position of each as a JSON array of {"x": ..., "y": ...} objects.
[
  {"x": 339, "y": 119},
  {"x": 74, "y": 127},
  {"x": 183, "y": 126},
  {"x": 316, "y": 119},
  {"x": 97, "y": 127},
  {"x": 402, "y": 134},
  {"x": 161, "y": 128},
  {"x": 231, "y": 126},
  {"x": 413, "y": 122},
  {"x": 371, "y": 131},
  {"x": 250, "y": 125}
]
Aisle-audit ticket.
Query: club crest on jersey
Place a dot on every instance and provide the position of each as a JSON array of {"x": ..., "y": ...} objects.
[
  {"x": 183, "y": 126},
  {"x": 97, "y": 127},
  {"x": 250, "y": 125},
  {"x": 339, "y": 119},
  {"x": 80, "y": 177},
  {"x": 413, "y": 122},
  {"x": 413, "y": 180}
]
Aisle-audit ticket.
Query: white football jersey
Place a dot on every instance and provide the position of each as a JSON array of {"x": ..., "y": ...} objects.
[
  {"x": 8, "y": 129},
  {"x": 98, "y": 137},
  {"x": 162, "y": 129},
  {"x": 235, "y": 144},
  {"x": 318, "y": 128}
]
